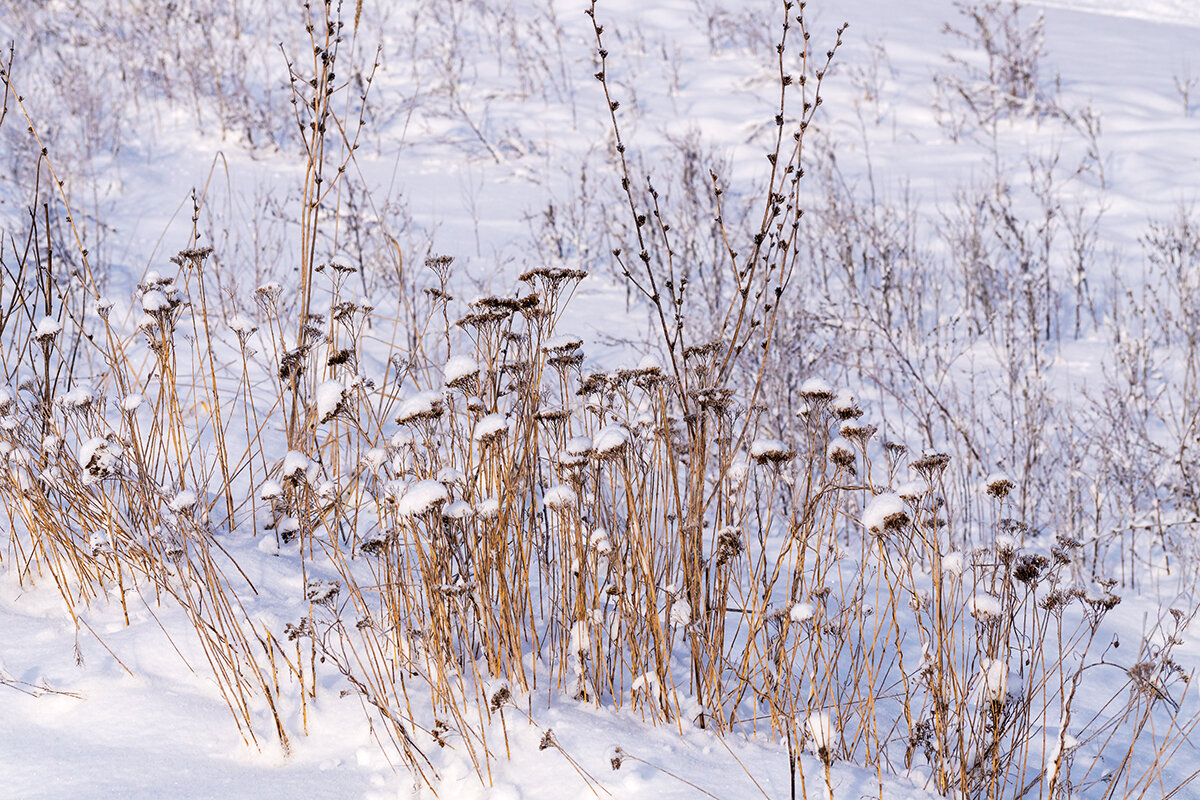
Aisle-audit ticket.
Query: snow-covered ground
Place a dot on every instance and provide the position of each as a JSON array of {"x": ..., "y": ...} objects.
[{"x": 487, "y": 139}]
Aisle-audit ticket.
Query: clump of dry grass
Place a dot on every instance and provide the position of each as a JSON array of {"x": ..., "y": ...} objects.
[{"x": 476, "y": 517}]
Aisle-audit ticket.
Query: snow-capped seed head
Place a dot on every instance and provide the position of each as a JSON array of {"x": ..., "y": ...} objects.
[
  {"x": 551, "y": 414},
  {"x": 575, "y": 451},
  {"x": 885, "y": 512},
  {"x": 581, "y": 639},
  {"x": 729, "y": 544},
  {"x": 1029, "y": 568},
  {"x": 421, "y": 406},
  {"x": 52, "y": 446},
  {"x": 737, "y": 473},
  {"x": 491, "y": 428},
  {"x": 270, "y": 490},
  {"x": 801, "y": 613},
  {"x": 45, "y": 331},
  {"x": 458, "y": 511},
  {"x": 993, "y": 679},
  {"x": 375, "y": 458},
  {"x": 856, "y": 431},
  {"x": 681, "y": 613},
  {"x": 241, "y": 326},
  {"x": 815, "y": 390},
  {"x": 845, "y": 406},
  {"x": 610, "y": 442},
  {"x": 295, "y": 467},
  {"x": 78, "y": 399},
  {"x": 560, "y": 498},
  {"x": 451, "y": 476},
  {"x": 183, "y": 502},
  {"x": 999, "y": 485},
  {"x": 460, "y": 372},
  {"x": 155, "y": 302},
  {"x": 770, "y": 451},
  {"x": 841, "y": 453},
  {"x": 423, "y": 497},
  {"x": 132, "y": 402},
  {"x": 488, "y": 508},
  {"x": 912, "y": 491},
  {"x": 819, "y": 727},
  {"x": 598, "y": 541},
  {"x": 985, "y": 608},
  {"x": 318, "y": 591},
  {"x": 953, "y": 564},
  {"x": 931, "y": 464},
  {"x": 331, "y": 400},
  {"x": 99, "y": 459}
]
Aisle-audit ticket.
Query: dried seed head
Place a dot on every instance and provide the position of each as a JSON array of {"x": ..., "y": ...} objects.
[
  {"x": 841, "y": 453},
  {"x": 770, "y": 451},
  {"x": 931, "y": 465},
  {"x": 999, "y": 485}
]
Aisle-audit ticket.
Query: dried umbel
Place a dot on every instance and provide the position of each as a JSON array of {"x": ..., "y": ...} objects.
[
  {"x": 729, "y": 545},
  {"x": 1029, "y": 568},
  {"x": 999, "y": 485},
  {"x": 500, "y": 697},
  {"x": 771, "y": 451},
  {"x": 931, "y": 465},
  {"x": 841, "y": 454}
]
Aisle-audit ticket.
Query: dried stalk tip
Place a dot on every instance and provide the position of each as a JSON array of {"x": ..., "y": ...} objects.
[
  {"x": 999, "y": 485},
  {"x": 770, "y": 451},
  {"x": 815, "y": 390},
  {"x": 931, "y": 464}
]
